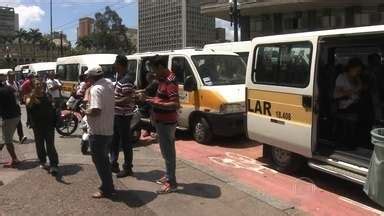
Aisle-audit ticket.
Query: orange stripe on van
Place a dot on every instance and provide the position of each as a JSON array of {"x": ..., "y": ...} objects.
[
  {"x": 277, "y": 105},
  {"x": 210, "y": 99}
]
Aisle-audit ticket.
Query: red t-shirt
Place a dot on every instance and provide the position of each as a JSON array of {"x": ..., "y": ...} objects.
[
  {"x": 168, "y": 91},
  {"x": 26, "y": 87}
]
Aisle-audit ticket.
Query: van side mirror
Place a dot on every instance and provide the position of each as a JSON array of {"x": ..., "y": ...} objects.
[{"x": 190, "y": 84}]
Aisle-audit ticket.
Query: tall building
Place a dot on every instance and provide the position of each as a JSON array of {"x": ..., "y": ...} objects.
[
  {"x": 9, "y": 21},
  {"x": 86, "y": 27},
  {"x": 270, "y": 17},
  {"x": 132, "y": 35},
  {"x": 173, "y": 24}
]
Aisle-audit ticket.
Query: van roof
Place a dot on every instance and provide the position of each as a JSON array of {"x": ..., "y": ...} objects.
[
  {"x": 88, "y": 59},
  {"x": 5, "y": 71},
  {"x": 186, "y": 52},
  {"x": 42, "y": 66},
  {"x": 323, "y": 33},
  {"x": 242, "y": 46}
]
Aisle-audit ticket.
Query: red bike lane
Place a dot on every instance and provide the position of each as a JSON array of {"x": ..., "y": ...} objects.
[{"x": 310, "y": 191}]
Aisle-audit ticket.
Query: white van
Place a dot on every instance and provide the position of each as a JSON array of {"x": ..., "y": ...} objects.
[
  {"x": 211, "y": 87},
  {"x": 42, "y": 68},
  {"x": 241, "y": 48},
  {"x": 70, "y": 68},
  {"x": 4, "y": 72},
  {"x": 293, "y": 106}
]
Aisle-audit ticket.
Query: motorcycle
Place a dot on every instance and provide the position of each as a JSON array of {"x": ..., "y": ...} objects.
[
  {"x": 68, "y": 119},
  {"x": 84, "y": 137}
]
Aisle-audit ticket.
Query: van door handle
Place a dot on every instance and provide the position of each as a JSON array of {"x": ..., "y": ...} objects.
[{"x": 307, "y": 102}]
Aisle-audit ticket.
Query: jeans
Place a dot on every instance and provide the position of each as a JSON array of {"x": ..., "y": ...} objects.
[
  {"x": 122, "y": 138},
  {"x": 45, "y": 145},
  {"x": 99, "y": 149},
  {"x": 166, "y": 134}
]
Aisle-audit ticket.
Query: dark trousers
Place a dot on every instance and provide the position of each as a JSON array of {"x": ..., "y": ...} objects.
[
  {"x": 20, "y": 131},
  {"x": 166, "y": 134},
  {"x": 99, "y": 150},
  {"x": 45, "y": 145},
  {"x": 122, "y": 138}
]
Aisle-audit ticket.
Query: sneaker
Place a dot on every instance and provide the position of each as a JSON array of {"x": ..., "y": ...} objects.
[
  {"x": 11, "y": 164},
  {"x": 115, "y": 168},
  {"x": 124, "y": 173},
  {"x": 54, "y": 171},
  {"x": 23, "y": 140},
  {"x": 162, "y": 180},
  {"x": 167, "y": 188},
  {"x": 43, "y": 166}
]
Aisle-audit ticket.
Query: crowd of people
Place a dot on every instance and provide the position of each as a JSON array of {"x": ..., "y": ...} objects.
[{"x": 108, "y": 108}]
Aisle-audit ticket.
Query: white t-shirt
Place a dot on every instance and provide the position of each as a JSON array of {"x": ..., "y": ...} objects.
[
  {"x": 342, "y": 82},
  {"x": 102, "y": 97},
  {"x": 53, "y": 83}
]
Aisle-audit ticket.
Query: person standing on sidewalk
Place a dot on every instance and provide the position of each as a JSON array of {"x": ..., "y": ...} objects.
[
  {"x": 124, "y": 107},
  {"x": 53, "y": 89},
  {"x": 164, "y": 110},
  {"x": 42, "y": 117},
  {"x": 10, "y": 114},
  {"x": 11, "y": 82},
  {"x": 100, "y": 117}
]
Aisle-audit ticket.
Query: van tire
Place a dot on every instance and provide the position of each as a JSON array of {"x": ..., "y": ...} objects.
[
  {"x": 202, "y": 132},
  {"x": 286, "y": 161},
  {"x": 267, "y": 155}
]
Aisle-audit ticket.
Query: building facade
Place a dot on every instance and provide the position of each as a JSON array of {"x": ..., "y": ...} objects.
[
  {"x": 173, "y": 24},
  {"x": 270, "y": 17},
  {"x": 220, "y": 35},
  {"x": 86, "y": 27},
  {"x": 9, "y": 21}
]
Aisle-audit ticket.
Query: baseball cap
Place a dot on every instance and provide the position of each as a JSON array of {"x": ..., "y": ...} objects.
[{"x": 94, "y": 71}]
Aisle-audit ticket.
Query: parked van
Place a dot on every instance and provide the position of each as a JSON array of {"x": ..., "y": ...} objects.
[
  {"x": 41, "y": 69},
  {"x": 5, "y": 71},
  {"x": 211, "y": 88},
  {"x": 70, "y": 68},
  {"x": 316, "y": 96},
  {"x": 241, "y": 48}
]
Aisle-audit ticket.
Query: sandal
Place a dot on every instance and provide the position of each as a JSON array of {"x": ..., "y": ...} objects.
[
  {"x": 167, "y": 188},
  {"x": 11, "y": 164},
  {"x": 98, "y": 195}
]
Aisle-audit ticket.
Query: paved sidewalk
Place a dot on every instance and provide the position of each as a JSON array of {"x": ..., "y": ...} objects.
[{"x": 31, "y": 191}]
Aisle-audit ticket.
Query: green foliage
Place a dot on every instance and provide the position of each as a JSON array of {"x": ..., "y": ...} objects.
[{"x": 110, "y": 35}]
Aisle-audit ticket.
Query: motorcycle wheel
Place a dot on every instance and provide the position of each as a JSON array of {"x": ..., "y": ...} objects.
[{"x": 67, "y": 125}]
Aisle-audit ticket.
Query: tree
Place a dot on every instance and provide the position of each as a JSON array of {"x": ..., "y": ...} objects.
[
  {"x": 21, "y": 36},
  {"x": 34, "y": 36},
  {"x": 110, "y": 34}
]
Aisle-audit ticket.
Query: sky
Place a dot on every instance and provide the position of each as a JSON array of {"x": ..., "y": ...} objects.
[{"x": 35, "y": 14}]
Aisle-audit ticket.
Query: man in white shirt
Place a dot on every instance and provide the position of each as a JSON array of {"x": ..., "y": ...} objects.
[
  {"x": 54, "y": 88},
  {"x": 100, "y": 118}
]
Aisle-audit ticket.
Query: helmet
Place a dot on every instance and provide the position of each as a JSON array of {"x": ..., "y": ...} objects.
[{"x": 94, "y": 71}]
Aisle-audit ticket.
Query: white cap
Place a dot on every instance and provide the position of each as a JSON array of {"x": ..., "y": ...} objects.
[{"x": 94, "y": 71}]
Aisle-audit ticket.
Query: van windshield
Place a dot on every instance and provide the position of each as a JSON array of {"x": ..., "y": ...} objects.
[{"x": 216, "y": 70}]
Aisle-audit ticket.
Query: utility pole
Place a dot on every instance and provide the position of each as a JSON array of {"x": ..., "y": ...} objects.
[
  {"x": 61, "y": 44},
  {"x": 235, "y": 17},
  {"x": 51, "y": 41}
]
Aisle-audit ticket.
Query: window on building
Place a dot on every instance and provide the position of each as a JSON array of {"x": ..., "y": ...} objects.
[{"x": 286, "y": 64}]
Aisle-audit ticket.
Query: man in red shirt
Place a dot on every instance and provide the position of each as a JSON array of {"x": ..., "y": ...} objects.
[
  {"x": 164, "y": 113},
  {"x": 27, "y": 86}
]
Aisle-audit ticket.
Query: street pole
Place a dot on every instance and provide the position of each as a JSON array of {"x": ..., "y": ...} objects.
[
  {"x": 51, "y": 48},
  {"x": 61, "y": 44},
  {"x": 236, "y": 20}
]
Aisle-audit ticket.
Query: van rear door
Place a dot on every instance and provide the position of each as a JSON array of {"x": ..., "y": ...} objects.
[{"x": 280, "y": 80}]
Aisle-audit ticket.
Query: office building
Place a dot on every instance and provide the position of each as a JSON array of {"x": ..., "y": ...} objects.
[
  {"x": 86, "y": 27},
  {"x": 173, "y": 24},
  {"x": 9, "y": 21},
  {"x": 271, "y": 17}
]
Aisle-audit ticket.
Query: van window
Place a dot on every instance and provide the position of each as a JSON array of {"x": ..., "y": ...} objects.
[
  {"x": 216, "y": 70},
  {"x": 283, "y": 64},
  {"x": 72, "y": 72},
  {"x": 132, "y": 68},
  {"x": 60, "y": 72},
  {"x": 109, "y": 72},
  {"x": 181, "y": 68}
]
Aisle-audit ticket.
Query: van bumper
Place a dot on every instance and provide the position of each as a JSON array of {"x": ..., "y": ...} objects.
[{"x": 227, "y": 124}]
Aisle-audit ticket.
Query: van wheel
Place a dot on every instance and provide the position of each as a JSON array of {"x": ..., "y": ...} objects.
[
  {"x": 286, "y": 161},
  {"x": 202, "y": 132}
]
